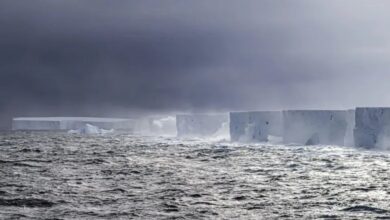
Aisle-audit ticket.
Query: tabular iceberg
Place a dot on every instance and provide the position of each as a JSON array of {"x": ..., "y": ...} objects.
[
  {"x": 199, "y": 125},
  {"x": 70, "y": 123},
  {"x": 372, "y": 128},
  {"x": 311, "y": 127},
  {"x": 255, "y": 126},
  {"x": 90, "y": 129},
  {"x": 36, "y": 124},
  {"x": 349, "y": 139}
]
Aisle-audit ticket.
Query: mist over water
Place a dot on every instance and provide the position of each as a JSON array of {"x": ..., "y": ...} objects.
[{"x": 55, "y": 175}]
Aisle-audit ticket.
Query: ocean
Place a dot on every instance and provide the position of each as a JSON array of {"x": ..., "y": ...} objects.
[{"x": 48, "y": 175}]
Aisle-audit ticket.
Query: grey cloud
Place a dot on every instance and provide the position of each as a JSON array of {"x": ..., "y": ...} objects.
[{"x": 125, "y": 57}]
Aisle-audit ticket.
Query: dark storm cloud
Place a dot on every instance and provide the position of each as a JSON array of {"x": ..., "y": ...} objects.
[{"x": 116, "y": 57}]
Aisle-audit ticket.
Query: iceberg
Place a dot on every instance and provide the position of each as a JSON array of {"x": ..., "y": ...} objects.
[
  {"x": 255, "y": 126},
  {"x": 71, "y": 123},
  {"x": 349, "y": 139},
  {"x": 47, "y": 124},
  {"x": 199, "y": 125},
  {"x": 222, "y": 134},
  {"x": 312, "y": 127},
  {"x": 372, "y": 127},
  {"x": 90, "y": 129}
]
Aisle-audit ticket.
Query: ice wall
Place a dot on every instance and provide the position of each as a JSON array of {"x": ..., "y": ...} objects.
[
  {"x": 349, "y": 139},
  {"x": 70, "y": 123},
  {"x": 372, "y": 128},
  {"x": 90, "y": 129},
  {"x": 311, "y": 127},
  {"x": 199, "y": 125},
  {"x": 35, "y": 124},
  {"x": 255, "y": 126}
]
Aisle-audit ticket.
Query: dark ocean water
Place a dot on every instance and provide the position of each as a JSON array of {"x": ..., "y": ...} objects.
[{"x": 61, "y": 176}]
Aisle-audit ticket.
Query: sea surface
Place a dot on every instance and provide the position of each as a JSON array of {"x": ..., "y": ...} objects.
[{"x": 120, "y": 176}]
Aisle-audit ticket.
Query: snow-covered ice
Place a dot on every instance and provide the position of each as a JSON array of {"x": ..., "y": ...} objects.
[
  {"x": 311, "y": 127},
  {"x": 256, "y": 126},
  {"x": 200, "y": 125}
]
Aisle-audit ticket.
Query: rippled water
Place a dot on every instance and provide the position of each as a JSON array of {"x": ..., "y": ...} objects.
[{"x": 61, "y": 176}]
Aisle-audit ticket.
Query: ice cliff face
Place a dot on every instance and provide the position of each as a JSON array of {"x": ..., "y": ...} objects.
[
  {"x": 255, "y": 126},
  {"x": 36, "y": 124},
  {"x": 311, "y": 127},
  {"x": 70, "y": 123},
  {"x": 372, "y": 128},
  {"x": 363, "y": 127},
  {"x": 90, "y": 129},
  {"x": 199, "y": 125},
  {"x": 349, "y": 139}
]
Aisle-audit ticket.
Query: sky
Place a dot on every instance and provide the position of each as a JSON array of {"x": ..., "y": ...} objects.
[{"x": 125, "y": 58}]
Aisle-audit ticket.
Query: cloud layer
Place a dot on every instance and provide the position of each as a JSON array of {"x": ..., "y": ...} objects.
[{"x": 119, "y": 58}]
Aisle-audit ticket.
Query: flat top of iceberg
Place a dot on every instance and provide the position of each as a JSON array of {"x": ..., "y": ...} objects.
[
  {"x": 372, "y": 108},
  {"x": 201, "y": 114},
  {"x": 314, "y": 110},
  {"x": 253, "y": 112},
  {"x": 86, "y": 119}
]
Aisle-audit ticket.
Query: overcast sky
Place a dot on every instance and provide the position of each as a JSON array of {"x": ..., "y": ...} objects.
[{"x": 103, "y": 58}]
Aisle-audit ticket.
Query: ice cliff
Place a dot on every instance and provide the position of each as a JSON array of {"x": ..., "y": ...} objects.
[
  {"x": 372, "y": 128},
  {"x": 90, "y": 129},
  {"x": 71, "y": 123},
  {"x": 311, "y": 127},
  {"x": 255, "y": 126}
]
